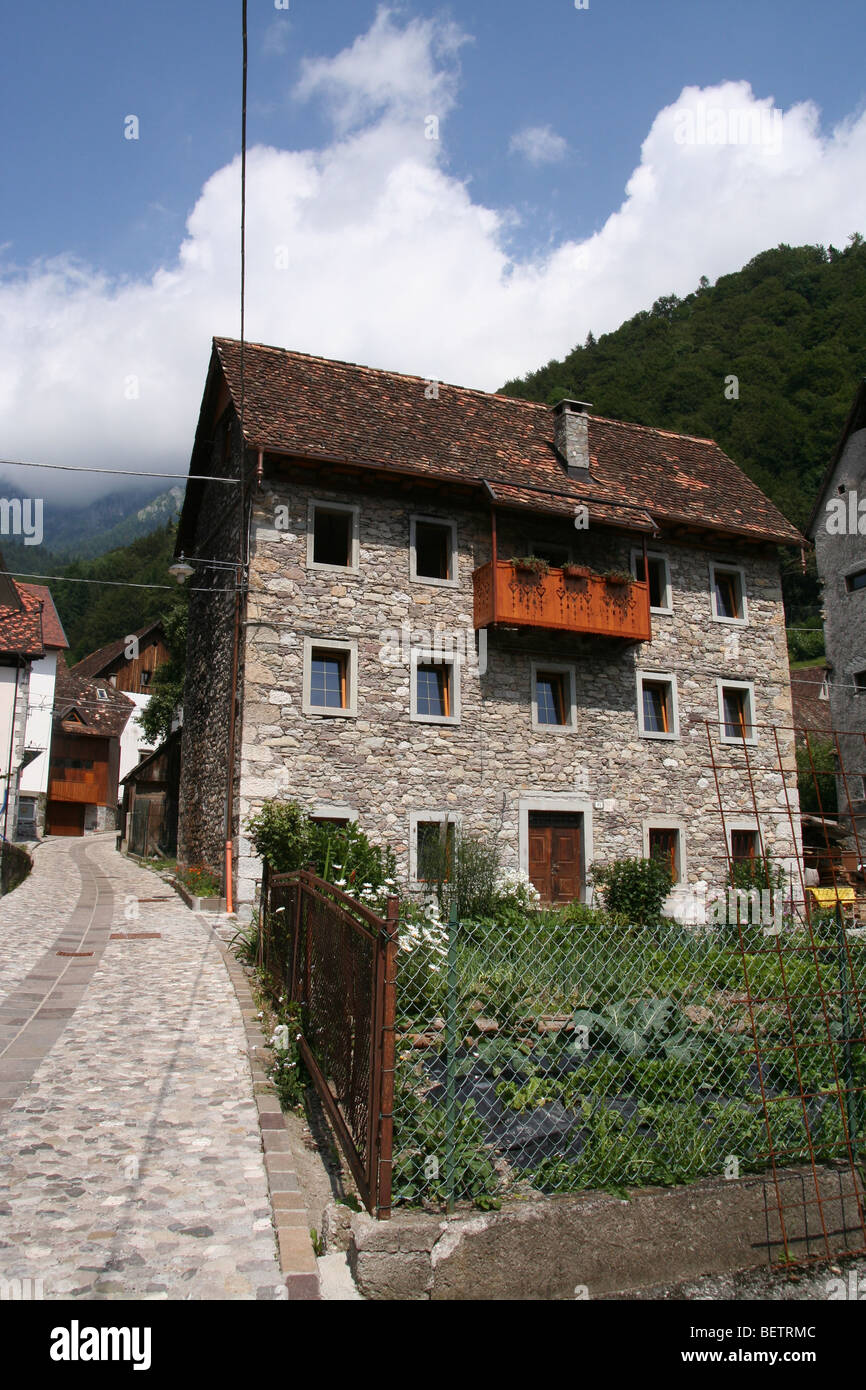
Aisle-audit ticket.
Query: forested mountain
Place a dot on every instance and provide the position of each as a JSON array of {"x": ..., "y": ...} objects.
[
  {"x": 96, "y": 613},
  {"x": 790, "y": 327}
]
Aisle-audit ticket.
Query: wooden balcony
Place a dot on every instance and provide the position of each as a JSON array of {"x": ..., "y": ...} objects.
[{"x": 559, "y": 603}]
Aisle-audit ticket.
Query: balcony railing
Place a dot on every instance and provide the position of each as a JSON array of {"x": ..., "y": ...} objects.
[{"x": 558, "y": 602}]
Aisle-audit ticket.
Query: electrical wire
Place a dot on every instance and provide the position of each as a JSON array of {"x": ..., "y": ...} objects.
[{"x": 119, "y": 472}]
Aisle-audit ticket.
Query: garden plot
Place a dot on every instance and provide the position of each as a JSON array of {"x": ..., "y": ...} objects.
[{"x": 572, "y": 1070}]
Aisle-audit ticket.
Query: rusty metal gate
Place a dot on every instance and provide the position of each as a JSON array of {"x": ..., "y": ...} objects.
[
  {"x": 804, "y": 972},
  {"x": 337, "y": 960}
]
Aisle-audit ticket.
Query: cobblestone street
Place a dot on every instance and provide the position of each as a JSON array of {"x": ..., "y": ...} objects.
[{"x": 131, "y": 1162}]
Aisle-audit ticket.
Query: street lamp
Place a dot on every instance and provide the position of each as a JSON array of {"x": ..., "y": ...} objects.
[{"x": 181, "y": 570}]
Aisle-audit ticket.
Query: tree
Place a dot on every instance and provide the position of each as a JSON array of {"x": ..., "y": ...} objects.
[{"x": 166, "y": 687}]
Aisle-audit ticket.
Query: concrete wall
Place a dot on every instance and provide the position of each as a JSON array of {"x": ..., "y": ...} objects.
[{"x": 493, "y": 767}]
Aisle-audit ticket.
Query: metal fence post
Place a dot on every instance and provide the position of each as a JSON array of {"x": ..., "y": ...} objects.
[
  {"x": 451, "y": 1063},
  {"x": 851, "y": 1106},
  {"x": 388, "y": 1055}
]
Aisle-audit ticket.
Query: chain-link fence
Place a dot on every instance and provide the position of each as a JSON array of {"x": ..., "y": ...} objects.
[{"x": 555, "y": 1054}]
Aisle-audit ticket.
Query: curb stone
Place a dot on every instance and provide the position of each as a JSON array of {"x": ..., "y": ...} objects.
[{"x": 291, "y": 1220}]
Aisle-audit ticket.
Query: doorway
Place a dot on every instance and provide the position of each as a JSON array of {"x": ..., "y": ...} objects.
[{"x": 555, "y": 854}]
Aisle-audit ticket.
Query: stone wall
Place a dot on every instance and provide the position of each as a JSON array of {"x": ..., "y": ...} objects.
[
  {"x": 207, "y": 687},
  {"x": 837, "y": 552},
  {"x": 493, "y": 765}
]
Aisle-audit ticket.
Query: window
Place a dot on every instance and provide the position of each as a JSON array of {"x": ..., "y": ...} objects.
[
  {"x": 744, "y": 846},
  {"x": 330, "y": 677},
  {"x": 145, "y": 679},
  {"x": 728, "y": 594},
  {"x": 432, "y": 550},
  {"x": 432, "y": 838},
  {"x": 553, "y": 696},
  {"x": 435, "y": 850},
  {"x": 658, "y": 577},
  {"x": 555, "y": 555},
  {"x": 332, "y": 536},
  {"x": 435, "y": 689},
  {"x": 855, "y": 581},
  {"x": 736, "y": 712},
  {"x": 657, "y": 706},
  {"x": 101, "y": 694},
  {"x": 664, "y": 844}
]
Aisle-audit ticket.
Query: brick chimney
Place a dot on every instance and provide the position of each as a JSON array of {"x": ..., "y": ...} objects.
[{"x": 571, "y": 435}]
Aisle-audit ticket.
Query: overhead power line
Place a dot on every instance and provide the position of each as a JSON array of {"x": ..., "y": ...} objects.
[{"x": 120, "y": 472}]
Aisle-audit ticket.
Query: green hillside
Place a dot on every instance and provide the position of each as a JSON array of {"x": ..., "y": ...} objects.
[{"x": 789, "y": 326}]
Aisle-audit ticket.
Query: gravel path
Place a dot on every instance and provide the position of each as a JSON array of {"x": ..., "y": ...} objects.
[{"x": 131, "y": 1163}]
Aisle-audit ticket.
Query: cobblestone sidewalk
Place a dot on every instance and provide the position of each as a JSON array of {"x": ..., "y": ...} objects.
[{"x": 130, "y": 1151}]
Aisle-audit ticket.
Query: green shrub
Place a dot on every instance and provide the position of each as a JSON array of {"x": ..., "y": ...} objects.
[
  {"x": 287, "y": 839},
  {"x": 636, "y": 888}
]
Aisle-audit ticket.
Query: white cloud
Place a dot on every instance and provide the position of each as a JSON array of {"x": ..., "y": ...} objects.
[
  {"x": 371, "y": 250},
  {"x": 539, "y": 144}
]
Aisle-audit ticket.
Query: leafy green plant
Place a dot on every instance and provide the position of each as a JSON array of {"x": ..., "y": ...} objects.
[
  {"x": 287, "y": 1070},
  {"x": 200, "y": 880},
  {"x": 287, "y": 839},
  {"x": 420, "y": 1149},
  {"x": 615, "y": 576},
  {"x": 636, "y": 888},
  {"x": 531, "y": 564}
]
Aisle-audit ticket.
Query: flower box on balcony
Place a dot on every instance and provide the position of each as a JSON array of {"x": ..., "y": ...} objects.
[{"x": 508, "y": 597}]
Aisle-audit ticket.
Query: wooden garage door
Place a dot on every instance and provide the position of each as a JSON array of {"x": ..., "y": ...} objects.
[
  {"x": 64, "y": 818},
  {"x": 554, "y": 854}
]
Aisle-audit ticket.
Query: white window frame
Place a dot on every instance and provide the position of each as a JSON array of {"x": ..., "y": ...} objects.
[
  {"x": 329, "y": 810},
  {"x": 723, "y": 684},
  {"x": 414, "y": 576},
  {"x": 559, "y": 669},
  {"x": 637, "y": 566},
  {"x": 417, "y": 818},
  {"x": 668, "y": 823},
  {"x": 741, "y": 573},
  {"x": 331, "y": 644},
  {"x": 426, "y": 657},
  {"x": 654, "y": 677},
  {"x": 323, "y": 505}
]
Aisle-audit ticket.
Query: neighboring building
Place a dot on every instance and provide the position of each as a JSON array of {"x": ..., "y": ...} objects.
[
  {"x": 89, "y": 719},
  {"x": 21, "y": 645},
  {"x": 150, "y": 795},
  {"x": 128, "y": 664},
  {"x": 380, "y": 513},
  {"x": 810, "y": 697},
  {"x": 33, "y": 788},
  {"x": 838, "y": 527}
]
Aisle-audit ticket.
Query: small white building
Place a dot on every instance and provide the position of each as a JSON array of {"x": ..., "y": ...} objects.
[{"x": 33, "y": 783}]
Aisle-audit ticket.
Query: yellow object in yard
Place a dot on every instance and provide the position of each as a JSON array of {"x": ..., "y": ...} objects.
[{"x": 826, "y": 897}]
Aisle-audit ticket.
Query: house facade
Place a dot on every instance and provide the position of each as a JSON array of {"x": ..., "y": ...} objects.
[
  {"x": 361, "y": 641},
  {"x": 838, "y": 528},
  {"x": 22, "y": 646},
  {"x": 128, "y": 664},
  {"x": 33, "y": 782},
  {"x": 89, "y": 719}
]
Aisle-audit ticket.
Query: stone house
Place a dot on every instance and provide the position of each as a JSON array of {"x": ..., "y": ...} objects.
[
  {"x": 838, "y": 528},
  {"x": 360, "y": 640}
]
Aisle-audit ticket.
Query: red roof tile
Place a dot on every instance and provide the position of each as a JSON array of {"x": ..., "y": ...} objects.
[
  {"x": 313, "y": 407},
  {"x": 21, "y": 628},
  {"x": 52, "y": 628}
]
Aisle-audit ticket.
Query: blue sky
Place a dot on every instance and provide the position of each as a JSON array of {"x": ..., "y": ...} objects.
[{"x": 558, "y": 196}]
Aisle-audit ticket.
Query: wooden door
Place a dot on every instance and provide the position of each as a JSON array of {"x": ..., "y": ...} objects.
[
  {"x": 64, "y": 818},
  {"x": 554, "y": 855}
]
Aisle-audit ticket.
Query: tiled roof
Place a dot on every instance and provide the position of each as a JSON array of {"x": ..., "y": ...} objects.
[
  {"x": 312, "y": 407},
  {"x": 105, "y": 718},
  {"x": 98, "y": 662},
  {"x": 21, "y": 628},
  {"x": 52, "y": 628}
]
